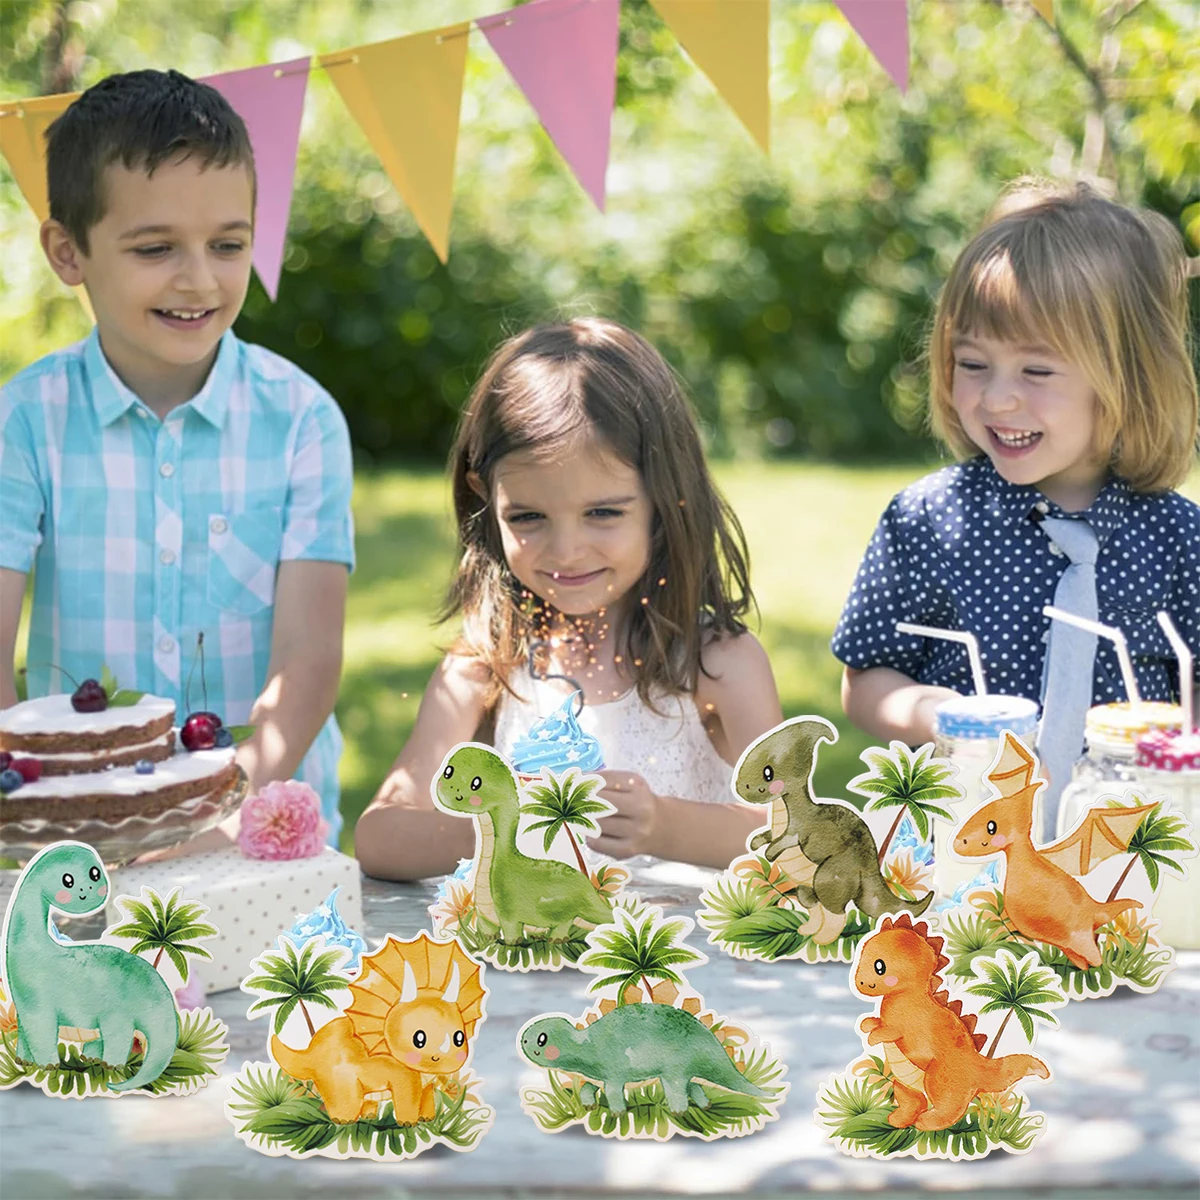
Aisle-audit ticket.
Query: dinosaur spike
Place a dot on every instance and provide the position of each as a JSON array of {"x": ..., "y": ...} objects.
[
  {"x": 904, "y": 921},
  {"x": 581, "y": 1024},
  {"x": 936, "y": 943},
  {"x": 665, "y": 992},
  {"x": 885, "y": 924},
  {"x": 691, "y": 1005},
  {"x": 970, "y": 1020},
  {"x": 606, "y": 1006},
  {"x": 980, "y": 1040},
  {"x": 955, "y": 1006},
  {"x": 942, "y": 961},
  {"x": 707, "y": 1019},
  {"x": 633, "y": 994},
  {"x": 591, "y": 1018}
]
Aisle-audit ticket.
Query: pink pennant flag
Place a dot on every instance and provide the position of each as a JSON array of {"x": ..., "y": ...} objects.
[
  {"x": 883, "y": 25},
  {"x": 563, "y": 55},
  {"x": 270, "y": 100}
]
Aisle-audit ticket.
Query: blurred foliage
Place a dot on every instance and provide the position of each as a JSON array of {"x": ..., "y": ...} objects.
[{"x": 791, "y": 292}]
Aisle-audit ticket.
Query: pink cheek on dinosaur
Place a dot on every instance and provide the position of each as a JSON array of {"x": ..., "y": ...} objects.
[
  {"x": 999, "y": 841},
  {"x": 413, "y": 1058},
  {"x": 776, "y": 787},
  {"x": 551, "y": 1053},
  {"x": 476, "y": 801},
  {"x": 461, "y": 1055},
  {"x": 891, "y": 980},
  {"x": 62, "y": 897},
  {"x": 102, "y": 891}
]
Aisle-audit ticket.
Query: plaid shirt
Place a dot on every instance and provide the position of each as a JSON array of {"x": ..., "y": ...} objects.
[{"x": 142, "y": 532}]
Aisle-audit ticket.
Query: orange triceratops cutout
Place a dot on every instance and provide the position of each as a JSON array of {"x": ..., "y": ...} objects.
[{"x": 1042, "y": 900}]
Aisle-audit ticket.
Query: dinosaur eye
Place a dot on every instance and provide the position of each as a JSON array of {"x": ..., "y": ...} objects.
[
  {"x": 94, "y": 874},
  {"x": 991, "y": 827},
  {"x": 459, "y": 1037},
  {"x": 541, "y": 1039},
  {"x": 68, "y": 880},
  {"x": 880, "y": 966},
  {"x": 447, "y": 772},
  {"x": 476, "y": 784},
  {"x": 768, "y": 773},
  {"x": 419, "y": 1039}
]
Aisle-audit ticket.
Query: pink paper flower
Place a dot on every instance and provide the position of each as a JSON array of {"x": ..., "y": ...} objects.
[
  {"x": 192, "y": 994},
  {"x": 282, "y": 821}
]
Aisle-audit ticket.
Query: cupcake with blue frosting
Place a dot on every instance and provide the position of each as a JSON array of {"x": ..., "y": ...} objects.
[{"x": 556, "y": 744}]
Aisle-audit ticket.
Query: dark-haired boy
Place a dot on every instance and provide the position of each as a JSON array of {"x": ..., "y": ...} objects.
[{"x": 162, "y": 478}]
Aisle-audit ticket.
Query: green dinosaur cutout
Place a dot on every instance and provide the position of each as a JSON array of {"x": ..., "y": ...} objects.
[
  {"x": 637, "y": 1042},
  {"x": 80, "y": 984},
  {"x": 512, "y": 890},
  {"x": 826, "y": 847}
]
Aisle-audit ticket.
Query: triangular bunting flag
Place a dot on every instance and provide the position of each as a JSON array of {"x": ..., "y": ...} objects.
[
  {"x": 23, "y": 126},
  {"x": 728, "y": 40},
  {"x": 270, "y": 100},
  {"x": 883, "y": 25},
  {"x": 563, "y": 56},
  {"x": 1045, "y": 9},
  {"x": 405, "y": 94}
]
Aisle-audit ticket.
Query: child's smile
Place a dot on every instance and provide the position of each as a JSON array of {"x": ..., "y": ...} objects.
[{"x": 1033, "y": 414}]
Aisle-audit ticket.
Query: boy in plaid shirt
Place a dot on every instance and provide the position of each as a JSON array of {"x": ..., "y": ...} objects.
[{"x": 161, "y": 478}]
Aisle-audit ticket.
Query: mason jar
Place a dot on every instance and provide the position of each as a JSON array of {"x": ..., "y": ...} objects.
[
  {"x": 967, "y": 731},
  {"x": 1168, "y": 767}
]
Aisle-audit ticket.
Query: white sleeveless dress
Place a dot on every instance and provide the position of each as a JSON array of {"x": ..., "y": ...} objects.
[{"x": 672, "y": 751}]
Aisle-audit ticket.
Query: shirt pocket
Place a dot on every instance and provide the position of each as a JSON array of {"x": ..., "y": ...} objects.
[
  {"x": 243, "y": 557},
  {"x": 1149, "y": 651}
]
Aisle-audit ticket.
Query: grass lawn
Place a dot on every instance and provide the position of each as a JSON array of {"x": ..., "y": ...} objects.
[{"x": 807, "y": 526}]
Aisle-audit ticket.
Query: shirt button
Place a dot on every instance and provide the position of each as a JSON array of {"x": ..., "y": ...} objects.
[
  {"x": 166, "y": 470},
  {"x": 1042, "y": 507},
  {"x": 218, "y": 525},
  {"x": 166, "y": 644},
  {"x": 141, "y": 412},
  {"x": 1056, "y": 549},
  {"x": 166, "y": 557}
]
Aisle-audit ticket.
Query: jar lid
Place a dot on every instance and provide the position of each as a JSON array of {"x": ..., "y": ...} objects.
[
  {"x": 1164, "y": 750},
  {"x": 985, "y": 717},
  {"x": 1124, "y": 723}
]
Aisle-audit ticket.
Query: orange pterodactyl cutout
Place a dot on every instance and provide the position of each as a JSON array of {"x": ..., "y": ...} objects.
[{"x": 1041, "y": 899}]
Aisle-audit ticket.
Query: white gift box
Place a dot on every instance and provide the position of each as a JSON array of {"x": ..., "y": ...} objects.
[{"x": 250, "y": 900}]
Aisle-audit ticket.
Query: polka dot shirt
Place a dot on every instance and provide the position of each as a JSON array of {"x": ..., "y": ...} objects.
[{"x": 961, "y": 549}]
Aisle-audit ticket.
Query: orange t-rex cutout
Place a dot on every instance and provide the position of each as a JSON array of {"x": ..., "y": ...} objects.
[
  {"x": 415, "y": 1006},
  {"x": 1041, "y": 899},
  {"x": 931, "y": 1045}
]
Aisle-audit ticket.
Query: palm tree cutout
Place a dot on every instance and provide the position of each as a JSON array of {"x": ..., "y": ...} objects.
[
  {"x": 909, "y": 780},
  {"x": 639, "y": 950},
  {"x": 1016, "y": 987},
  {"x": 294, "y": 979},
  {"x": 1158, "y": 834},
  {"x": 168, "y": 928},
  {"x": 566, "y": 802}
]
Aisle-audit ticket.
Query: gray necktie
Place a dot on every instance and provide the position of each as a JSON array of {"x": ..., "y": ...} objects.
[{"x": 1070, "y": 662}]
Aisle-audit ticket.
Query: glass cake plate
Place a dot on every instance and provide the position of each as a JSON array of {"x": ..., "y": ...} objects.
[{"x": 121, "y": 841}]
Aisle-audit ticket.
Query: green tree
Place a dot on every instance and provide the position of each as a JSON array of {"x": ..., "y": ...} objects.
[
  {"x": 1151, "y": 845},
  {"x": 294, "y": 979},
  {"x": 639, "y": 950},
  {"x": 1016, "y": 988},
  {"x": 909, "y": 780},
  {"x": 168, "y": 928},
  {"x": 566, "y": 802}
]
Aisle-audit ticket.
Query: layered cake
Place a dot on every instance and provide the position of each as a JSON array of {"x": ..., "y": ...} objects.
[{"x": 119, "y": 762}]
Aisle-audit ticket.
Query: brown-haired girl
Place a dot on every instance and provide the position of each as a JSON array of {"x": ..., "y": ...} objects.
[
  {"x": 595, "y": 548},
  {"x": 1061, "y": 378}
]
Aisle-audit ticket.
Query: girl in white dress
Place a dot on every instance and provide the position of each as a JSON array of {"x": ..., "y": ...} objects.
[{"x": 595, "y": 552}]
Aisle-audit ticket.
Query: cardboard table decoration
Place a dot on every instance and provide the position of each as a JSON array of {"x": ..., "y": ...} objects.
[
  {"x": 518, "y": 909},
  {"x": 366, "y": 1063},
  {"x": 101, "y": 1018},
  {"x": 933, "y": 1083},
  {"x": 648, "y": 1060},
  {"x": 818, "y": 876},
  {"x": 1083, "y": 903}
]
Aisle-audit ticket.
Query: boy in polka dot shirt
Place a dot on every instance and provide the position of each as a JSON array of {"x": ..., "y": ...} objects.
[{"x": 1061, "y": 378}]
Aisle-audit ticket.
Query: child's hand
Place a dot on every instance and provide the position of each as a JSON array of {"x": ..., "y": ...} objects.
[{"x": 633, "y": 828}]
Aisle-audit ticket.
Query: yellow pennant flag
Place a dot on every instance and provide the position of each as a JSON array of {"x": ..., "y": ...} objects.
[
  {"x": 23, "y": 126},
  {"x": 405, "y": 94},
  {"x": 1046, "y": 9},
  {"x": 728, "y": 40}
]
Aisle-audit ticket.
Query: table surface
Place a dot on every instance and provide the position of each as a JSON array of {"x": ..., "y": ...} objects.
[{"x": 1123, "y": 1106}]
